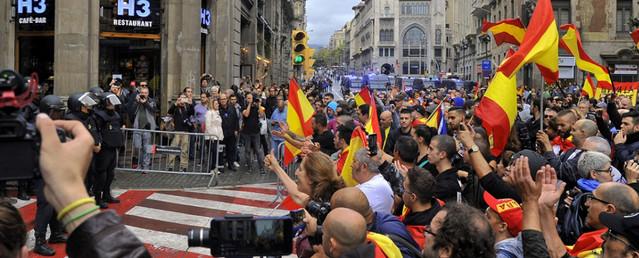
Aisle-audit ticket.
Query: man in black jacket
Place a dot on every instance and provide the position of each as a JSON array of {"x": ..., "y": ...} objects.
[
  {"x": 405, "y": 128},
  {"x": 182, "y": 112},
  {"x": 251, "y": 131},
  {"x": 627, "y": 141},
  {"x": 230, "y": 128}
]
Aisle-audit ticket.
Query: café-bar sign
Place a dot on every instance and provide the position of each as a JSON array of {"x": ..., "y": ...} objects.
[
  {"x": 35, "y": 15},
  {"x": 133, "y": 16}
]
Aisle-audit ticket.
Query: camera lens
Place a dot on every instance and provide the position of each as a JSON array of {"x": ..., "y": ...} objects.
[{"x": 198, "y": 237}]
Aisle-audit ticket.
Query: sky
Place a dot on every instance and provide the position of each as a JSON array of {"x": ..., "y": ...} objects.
[{"x": 327, "y": 16}]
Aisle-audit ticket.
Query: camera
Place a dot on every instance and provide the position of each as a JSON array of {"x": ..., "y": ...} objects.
[
  {"x": 19, "y": 138},
  {"x": 245, "y": 235},
  {"x": 318, "y": 210}
]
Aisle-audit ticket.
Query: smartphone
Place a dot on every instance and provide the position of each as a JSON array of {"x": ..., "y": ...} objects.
[
  {"x": 372, "y": 144},
  {"x": 270, "y": 236}
]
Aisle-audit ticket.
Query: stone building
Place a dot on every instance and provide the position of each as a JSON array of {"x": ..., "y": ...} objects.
[
  {"x": 77, "y": 44},
  {"x": 604, "y": 26},
  {"x": 407, "y": 35}
]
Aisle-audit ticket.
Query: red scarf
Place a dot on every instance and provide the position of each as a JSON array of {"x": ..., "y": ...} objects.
[{"x": 564, "y": 144}]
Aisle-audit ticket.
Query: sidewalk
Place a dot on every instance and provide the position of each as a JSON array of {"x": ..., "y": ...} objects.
[{"x": 134, "y": 180}]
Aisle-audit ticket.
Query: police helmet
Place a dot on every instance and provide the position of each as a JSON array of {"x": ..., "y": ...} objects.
[
  {"x": 110, "y": 98},
  {"x": 96, "y": 90},
  {"x": 53, "y": 106}
]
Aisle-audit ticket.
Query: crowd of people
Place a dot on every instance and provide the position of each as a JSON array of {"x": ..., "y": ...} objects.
[{"x": 569, "y": 190}]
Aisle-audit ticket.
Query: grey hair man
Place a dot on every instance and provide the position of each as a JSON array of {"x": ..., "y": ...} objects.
[
  {"x": 599, "y": 144},
  {"x": 365, "y": 171},
  {"x": 594, "y": 169}
]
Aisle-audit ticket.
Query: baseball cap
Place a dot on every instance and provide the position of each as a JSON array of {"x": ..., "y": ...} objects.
[
  {"x": 508, "y": 210},
  {"x": 626, "y": 226}
]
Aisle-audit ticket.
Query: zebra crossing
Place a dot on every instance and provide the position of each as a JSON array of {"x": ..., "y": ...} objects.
[{"x": 161, "y": 218}]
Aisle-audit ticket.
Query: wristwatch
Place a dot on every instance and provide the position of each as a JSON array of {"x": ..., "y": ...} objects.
[{"x": 473, "y": 148}]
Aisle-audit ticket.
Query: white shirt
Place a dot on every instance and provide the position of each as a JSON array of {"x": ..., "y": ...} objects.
[{"x": 379, "y": 193}]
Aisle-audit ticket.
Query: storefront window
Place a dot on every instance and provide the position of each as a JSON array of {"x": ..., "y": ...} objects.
[
  {"x": 130, "y": 45},
  {"x": 35, "y": 23}
]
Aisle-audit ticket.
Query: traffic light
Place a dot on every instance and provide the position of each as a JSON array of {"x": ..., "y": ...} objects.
[{"x": 299, "y": 47}]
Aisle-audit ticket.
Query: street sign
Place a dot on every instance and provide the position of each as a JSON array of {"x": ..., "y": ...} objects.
[
  {"x": 486, "y": 65},
  {"x": 486, "y": 68}
]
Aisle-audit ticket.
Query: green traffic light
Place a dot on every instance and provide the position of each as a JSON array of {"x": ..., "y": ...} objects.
[{"x": 298, "y": 59}]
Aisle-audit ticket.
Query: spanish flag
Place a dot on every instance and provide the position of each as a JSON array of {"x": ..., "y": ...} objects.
[
  {"x": 358, "y": 141},
  {"x": 589, "y": 88},
  {"x": 571, "y": 42},
  {"x": 540, "y": 45},
  {"x": 505, "y": 31},
  {"x": 298, "y": 118},
  {"x": 498, "y": 108},
  {"x": 635, "y": 37},
  {"x": 372, "y": 126},
  {"x": 436, "y": 120}
]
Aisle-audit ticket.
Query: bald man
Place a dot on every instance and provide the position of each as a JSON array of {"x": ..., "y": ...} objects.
[
  {"x": 385, "y": 124},
  {"x": 566, "y": 163},
  {"x": 381, "y": 223},
  {"x": 614, "y": 198},
  {"x": 345, "y": 235}
]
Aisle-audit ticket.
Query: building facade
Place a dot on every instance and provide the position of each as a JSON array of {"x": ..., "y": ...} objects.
[
  {"x": 604, "y": 27},
  {"x": 77, "y": 44},
  {"x": 407, "y": 36}
]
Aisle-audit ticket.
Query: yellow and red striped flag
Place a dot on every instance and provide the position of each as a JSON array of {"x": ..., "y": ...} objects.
[
  {"x": 571, "y": 42},
  {"x": 298, "y": 117},
  {"x": 372, "y": 126},
  {"x": 358, "y": 141},
  {"x": 498, "y": 108},
  {"x": 539, "y": 46},
  {"x": 506, "y": 31},
  {"x": 589, "y": 88},
  {"x": 635, "y": 37}
]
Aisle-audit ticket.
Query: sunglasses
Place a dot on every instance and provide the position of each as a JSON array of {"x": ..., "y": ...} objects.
[{"x": 591, "y": 197}]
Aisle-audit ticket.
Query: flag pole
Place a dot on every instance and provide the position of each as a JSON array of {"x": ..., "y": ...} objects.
[{"x": 541, "y": 107}]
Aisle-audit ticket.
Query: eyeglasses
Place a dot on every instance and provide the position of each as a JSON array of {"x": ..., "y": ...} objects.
[
  {"x": 609, "y": 170},
  {"x": 428, "y": 231},
  {"x": 612, "y": 236},
  {"x": 549, "y": 116},
  {"x": 591, "y": 197}
]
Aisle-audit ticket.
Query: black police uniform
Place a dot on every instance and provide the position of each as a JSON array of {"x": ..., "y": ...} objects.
[
  {"x": 45, "y": 213},
  {"x": 90, "y": 123},
  {"x": 109, "y": 123}
]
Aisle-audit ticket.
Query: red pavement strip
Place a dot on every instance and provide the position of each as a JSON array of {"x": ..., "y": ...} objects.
[{"x": 128, "y": 200}]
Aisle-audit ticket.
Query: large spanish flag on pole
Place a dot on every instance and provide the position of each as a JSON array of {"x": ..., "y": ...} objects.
[
  {"x": 506, "y": 31},
  {"x": 539, "y": 46},
  {"x": 571, "y": 42},
  {"x": 589, "y": 88},
  {"x": 298, "y": 118},
  {"x": 358, "y": 141},
  {"x": 498, "y": 110},
  {"x": 372, "y": 126}
]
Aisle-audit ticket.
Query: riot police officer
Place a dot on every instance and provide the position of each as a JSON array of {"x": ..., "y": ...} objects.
[
  {"x": 80, "y": 107},
  {"x": 109, "y": 123},
  {"x": 45, "y": 214}
]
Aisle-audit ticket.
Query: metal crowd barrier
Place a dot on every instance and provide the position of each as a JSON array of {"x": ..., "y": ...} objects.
[
  {"x": 290, "y": 171},
  {"x": 154, "y": 151}
]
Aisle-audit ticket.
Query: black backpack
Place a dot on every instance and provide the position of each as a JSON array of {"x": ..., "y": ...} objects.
[{"x": 573, "y": 219}]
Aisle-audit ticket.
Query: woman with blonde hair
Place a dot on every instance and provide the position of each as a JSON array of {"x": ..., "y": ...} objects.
[
  {"x": 214, "y": 133},
  {"x": 317, "y": 178}
]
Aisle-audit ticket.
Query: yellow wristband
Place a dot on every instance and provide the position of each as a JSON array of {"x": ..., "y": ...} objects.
[{"x": 74, "y": 205}]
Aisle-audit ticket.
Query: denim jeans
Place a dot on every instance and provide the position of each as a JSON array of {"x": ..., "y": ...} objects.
[{"x": 252, "y": 143}]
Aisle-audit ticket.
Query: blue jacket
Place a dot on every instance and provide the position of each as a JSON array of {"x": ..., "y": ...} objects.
[{"x": 387, "y": 224}]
